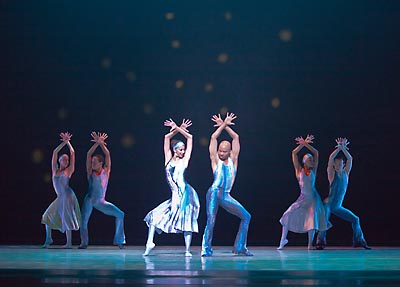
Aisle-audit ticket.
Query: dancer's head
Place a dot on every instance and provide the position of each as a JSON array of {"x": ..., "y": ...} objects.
[
  {"x": 338, "y": 163},
  {"x": 97, "y": 162},
  {"x": 179, "y": 148},
  {"x": 308, "y": 161},
  {"x": 63, "y": 161},
  {"x": 224, "y": 150}
]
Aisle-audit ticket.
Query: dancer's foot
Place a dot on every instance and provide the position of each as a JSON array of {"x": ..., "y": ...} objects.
[
  {"x": 188, "y": 254},
  {"x": 149, "y": 247},
  {"x": 310, "y": 247},
  {"x": 362, "y": 243},
  {"x": 83, "y": 246},
  {"x": 206, "y": 254},
  {"x": 245, "y": 252},
  {"x": 67, "y": 246},
  {"x": 47, "y": 243},
  {"x": 121, "y": 246},
  {"x": 282, "y": 244}
]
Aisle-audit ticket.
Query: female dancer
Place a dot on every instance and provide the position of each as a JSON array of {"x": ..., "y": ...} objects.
[
  {"x": 306, "y": 214},
  {"x": 63, "y": 213},
  {"x": 179, "y": 213}
]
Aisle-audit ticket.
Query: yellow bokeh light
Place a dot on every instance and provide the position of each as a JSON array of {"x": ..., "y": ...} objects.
[
  {"x": 285, "y": 35},
  {"x": 62, "y": 114},
  {"x": 208, "y": 87},
  {"x": 106, "y": 63},
  {"x": 223, "y": 110},
  {"x": 176, "y": 44},
  {"x": 228, "y": 16},
  {"x": 131, "y": 76},
  {"x": 204, "y": 141},
  {"x": 37, "y": 156},
  {"x": 179, "y": 84},
  {"x": 275, "y": 103},
  {"x": 170, "y": 16},
  {"x": 127, "y": 140},
  {"x": 148, "y": 108},
  {"x": 47, "y": 177},
  {"x": 223, "y": 58}
]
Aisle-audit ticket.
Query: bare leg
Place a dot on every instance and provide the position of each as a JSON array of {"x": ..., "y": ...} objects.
[
  {"x": 311, "y": 234},
  {"x": 150, "y": 237},
  {"x": 49, "y": 239},
  {"x": 188, "y": 241},
  {"x": 68, "y": 245},
  {"x": 284, "y": 241}
]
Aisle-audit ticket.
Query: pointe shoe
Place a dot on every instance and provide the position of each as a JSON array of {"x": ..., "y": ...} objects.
[
  {"x": 149, "y": 247},
  {"x": 46, "y": 244},
  {"x": 282, "y": 244},
  {"x": 188, "y": 254}
]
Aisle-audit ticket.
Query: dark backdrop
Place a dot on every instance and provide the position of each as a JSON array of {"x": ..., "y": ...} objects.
[{"x": 286, "y": 68}]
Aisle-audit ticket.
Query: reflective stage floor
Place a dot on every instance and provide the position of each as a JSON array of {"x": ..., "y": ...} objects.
[{"x": 110, "y": 266}]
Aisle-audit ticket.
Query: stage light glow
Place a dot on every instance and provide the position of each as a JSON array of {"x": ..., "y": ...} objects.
[
  {"x": 228, "y": 16},
  {"x": 285, "y": 35},
  {"x": 127, "y": 141},
  {"x": 131, "y": 76},
  {"x": 148, "y": 108},
  {"x": 223, "y": 110},
  {"x": 62, "y": 113},
  {"x": 47, "y": 177},
  {"x": 223, "y": 58},
  {"x": 208, "y": 87},
  {"x": 179, "y": 84},
  {"x": 176, "y": 44},
  {"x": 37, "y": 156},
  {"x": 204, "y": 141},
  {"x": 170, "y": 16},
  {"x": 106, "y": 63},
  {"x": 275, "y": 103}
]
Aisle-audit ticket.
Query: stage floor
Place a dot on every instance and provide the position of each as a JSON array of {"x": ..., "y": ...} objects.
[{"x": 110, "y": 266}]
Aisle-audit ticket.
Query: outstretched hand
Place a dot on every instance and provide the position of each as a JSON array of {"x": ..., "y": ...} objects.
[
  {"x": 300, "y": 140},
  {"x": 229, "y": 118},
  {"x": 65, "y": 137},
  {"x": 342, "y": 143},
  {"x": 217, "y": 120},
  {"x": 185, "y": 124},
  {"x": 170, "y": 123},
  {"x": 309, "y": 139},
  {"x": 99, "y": 138}
]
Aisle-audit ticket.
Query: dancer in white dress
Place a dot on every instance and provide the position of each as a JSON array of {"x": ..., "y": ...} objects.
[
  {"x": 63, "y": 213},
  {"x": 307, "y": 213},
  {"x": 179, "y": 213}
]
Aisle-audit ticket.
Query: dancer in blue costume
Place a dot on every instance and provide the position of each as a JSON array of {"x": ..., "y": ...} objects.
[
  {"x": 179, "y": 213},
  {"x": 307, "y": 213},
  {"x": 338, "y": 176},
  {"x": 63, "y": 213},
  {"x": 98, "y": 174},
  {"x": 224, "y": 163}
]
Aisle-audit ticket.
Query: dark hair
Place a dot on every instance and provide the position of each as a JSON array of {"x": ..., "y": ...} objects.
[
  {"x": 174, "y": 142},
  {"x": 340, "y": 156},
  {"x": 100, "y": 157}
]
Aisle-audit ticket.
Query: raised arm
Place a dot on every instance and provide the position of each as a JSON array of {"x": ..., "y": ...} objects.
[
  {"x": 167, "y": 139},
  {"x": 189, "y": 138},
  {"x": 71, "y": 167},
  {"x": 295, "y": 158},
  {"x": 90, "y": 152},
  {"x": 331, "y": 169},
  {"x": 307, "y": 143},
  {"x": 235, "y": 137},
  {"x": 102, "y": 144},
  {"x": 213, "y": 147},
  {"x": 349, "y": 159},
  {"x": 54, "y": 158}
]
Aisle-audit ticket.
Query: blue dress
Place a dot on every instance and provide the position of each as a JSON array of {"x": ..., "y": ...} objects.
[
  {"x": 307, "y": 212},
  {"x": 180, "y": 212},
  {"x": 63, "y": 213}
]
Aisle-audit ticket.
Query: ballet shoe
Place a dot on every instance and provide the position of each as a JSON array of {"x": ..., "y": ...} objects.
[
  {"x": 282, "y": 244},
  {"x": 67, "y": 246},
  {"x": 245, "y": 252},
  {"x": 149, "y": 247},
  {"x": 82, "y": 246},
  {"x": 188, "y": 254},
  {"x": 362, "y": 243}
]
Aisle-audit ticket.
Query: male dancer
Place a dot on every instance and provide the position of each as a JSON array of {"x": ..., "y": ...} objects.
[
  {"x": 338, "y": 176},
  {"x": 98, "y": 175},
  {"x": 224, "y": 163}
]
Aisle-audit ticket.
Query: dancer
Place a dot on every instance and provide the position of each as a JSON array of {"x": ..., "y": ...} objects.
[
  {"x": 224, "y": 163},
  {"x": 63, "y": 213},
  {"x": 306, "y": 214},
  {"x": 179, "y": 213},
  {"x": 98, "y": 174},
  {"x": 338, "y": 176}
]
